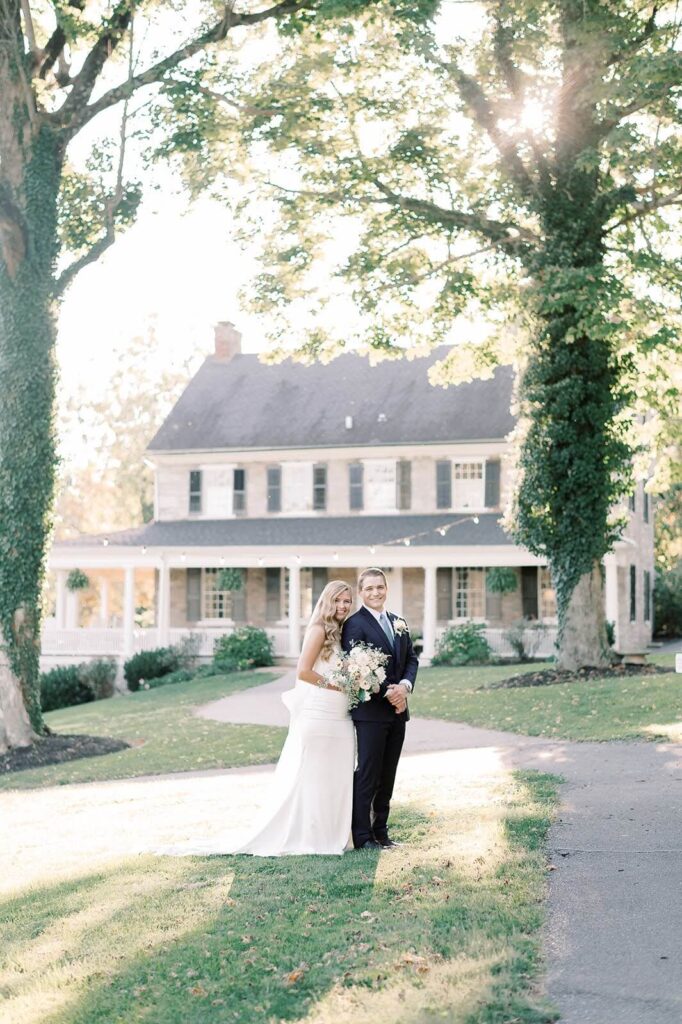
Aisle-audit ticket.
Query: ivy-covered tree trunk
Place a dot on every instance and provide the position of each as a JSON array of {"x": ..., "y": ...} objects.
[
  {"x": 571, "y": 394},
  {"x": 29, "y": 186}
]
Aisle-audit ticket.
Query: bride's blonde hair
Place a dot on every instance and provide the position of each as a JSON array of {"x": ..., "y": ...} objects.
[{"x": 323, "y": 615}]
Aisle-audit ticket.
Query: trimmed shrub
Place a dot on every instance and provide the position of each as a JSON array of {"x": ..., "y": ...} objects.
[
  {"x": 63, "y": 687},
  {"x": 247, "y": 647},
  {"x": 147, "y": 665},
  {"x": 462, "y": 645},
  {"x": 524, "y": 637},
  {"x": 99, "y": 676},
  {"x": 668, "y": 603},
  {"x": 188, "y": 650}
]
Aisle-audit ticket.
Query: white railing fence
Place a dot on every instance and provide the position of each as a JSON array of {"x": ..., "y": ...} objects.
[{"x": 86, "y": 643}]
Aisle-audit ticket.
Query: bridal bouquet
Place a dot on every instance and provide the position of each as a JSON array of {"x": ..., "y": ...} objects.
[{"x": 360, "y": 673}]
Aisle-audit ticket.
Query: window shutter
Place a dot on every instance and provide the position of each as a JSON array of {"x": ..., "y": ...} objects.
[
  {"x": 193, "y": 595},
  {"x": 492, "y": 483}
]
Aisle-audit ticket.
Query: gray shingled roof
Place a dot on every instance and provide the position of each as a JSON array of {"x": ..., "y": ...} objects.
[
  {"x": 244, "y": 403},
  {"x": 321, "y": 531}
]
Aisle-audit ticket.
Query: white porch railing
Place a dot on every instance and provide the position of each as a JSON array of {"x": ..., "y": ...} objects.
[
  {"x": 537, "y": 647},
  {"x": 95, "y": 642},
  {"x": 86, "y": 643}
]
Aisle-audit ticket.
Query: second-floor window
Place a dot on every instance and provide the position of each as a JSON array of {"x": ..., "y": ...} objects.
[
  {"x": 355, "y": 485},
  {"x": 632, "y": 502},
  {"x": 645, "y": 505},
  {"x": 319, "y": 488},
  {"x": 404, "y": 484},
  {"x": 239, "y": 491},
  {"x": 274, "y": 488},
  {"x": 195, "y": 490},
  {"x": 469, "y": 485},
  {"x": 444, "y": 484},
  {"x": 647, "y": 595},
  {"x": 633, "y": 593}
]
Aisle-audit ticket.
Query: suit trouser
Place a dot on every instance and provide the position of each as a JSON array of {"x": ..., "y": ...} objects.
[{"x": 379, "y": 746}]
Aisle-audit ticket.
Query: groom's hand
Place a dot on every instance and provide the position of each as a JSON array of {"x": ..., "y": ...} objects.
[{"x": 396, "y": 693}]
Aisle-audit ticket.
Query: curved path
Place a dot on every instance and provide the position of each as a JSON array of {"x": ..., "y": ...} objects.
[{"x": 614, "y": 933}]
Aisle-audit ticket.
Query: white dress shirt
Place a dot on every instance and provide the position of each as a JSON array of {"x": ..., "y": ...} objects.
[{"x": 377, "y": 616}]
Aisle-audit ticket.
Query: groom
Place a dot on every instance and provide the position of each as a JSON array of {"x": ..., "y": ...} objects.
[{"x": 380, "y": 721}]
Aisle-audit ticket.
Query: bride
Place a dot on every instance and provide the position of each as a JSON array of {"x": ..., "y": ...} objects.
[
  {"x": 312, "y": 796},
  {"x": 313, "y": 786}
]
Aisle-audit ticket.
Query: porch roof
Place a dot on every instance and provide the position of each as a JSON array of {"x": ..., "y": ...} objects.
[{"x": 311, "y": 531}]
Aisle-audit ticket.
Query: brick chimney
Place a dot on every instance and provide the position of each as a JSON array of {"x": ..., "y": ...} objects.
[{"x": 228, "y": 341}]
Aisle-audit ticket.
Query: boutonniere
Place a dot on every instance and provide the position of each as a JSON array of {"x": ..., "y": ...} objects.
[{"x": 400, "y": 627}]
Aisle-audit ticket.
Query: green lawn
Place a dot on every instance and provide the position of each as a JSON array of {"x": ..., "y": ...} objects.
[
  {"x": 446, "y": 927},
  {"x": 637, "y": 707},
  {"x": 170, "y": 737}
]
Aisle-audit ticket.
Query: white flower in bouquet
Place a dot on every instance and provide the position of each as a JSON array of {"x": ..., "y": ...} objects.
[{"x": 361, "y": 673}]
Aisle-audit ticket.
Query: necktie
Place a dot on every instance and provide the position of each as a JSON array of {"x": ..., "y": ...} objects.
[{"x": 386, "y": 626}]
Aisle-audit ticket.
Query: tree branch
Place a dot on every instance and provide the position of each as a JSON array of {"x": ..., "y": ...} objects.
[
  {"x": 91, "y": 256},
  {"x": 638, "y": 42},
  {"x": 644, "y": 207},
  {"x": 70, "y": 114},
  {"x": 502, "y": 52},
  {"x": 75, "y": 114},
  {"x": 510, "y": 238},
  {"x": 55, "y": 44},
  {"x": 478, "y": 103}
]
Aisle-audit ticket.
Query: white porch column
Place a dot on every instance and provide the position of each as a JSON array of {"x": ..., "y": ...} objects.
[
  {"x": 72, "y": 609},
  {"x": 104, "y": 601},
  {"x": 163, "y": 605},
  {"x": 128, "y": 611},
  {"x": 429, "y": 611},
  {"x": 395, "y": 594},
  {"x": 611, "y": 593},
  {"x": 294, "y": 611},
  {"x": 60, "y": 614}
]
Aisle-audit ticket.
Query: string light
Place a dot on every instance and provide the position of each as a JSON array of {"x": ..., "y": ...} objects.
[
  {"x": 442, "y": 530},
  {"x": 372, "y": 549},
  {"x": 336, "y": 556},
  {"x": 183, "y": 557},
  {"x": 105, "y": 542},
  {"x": 144, "y": 549},
  {"x": 298, "y": 559},
  {"x": 261, "y": 561}
]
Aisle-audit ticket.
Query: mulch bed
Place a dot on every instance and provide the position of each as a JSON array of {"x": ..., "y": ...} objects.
[
  {"x": 57, "y": 749},
  {"x": 552, "y": 676}
]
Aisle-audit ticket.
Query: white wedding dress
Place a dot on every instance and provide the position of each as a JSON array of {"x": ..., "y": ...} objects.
[{"x": 311, "y": 803}]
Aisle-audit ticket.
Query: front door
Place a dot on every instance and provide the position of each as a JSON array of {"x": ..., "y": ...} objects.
[{"x": 529, "y": 591}]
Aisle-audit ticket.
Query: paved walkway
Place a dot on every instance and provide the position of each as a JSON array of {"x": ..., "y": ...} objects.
[{"x": 614, "y": 934}]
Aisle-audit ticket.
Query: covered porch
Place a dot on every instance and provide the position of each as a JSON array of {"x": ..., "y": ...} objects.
[{"x": 144, "y": 598}]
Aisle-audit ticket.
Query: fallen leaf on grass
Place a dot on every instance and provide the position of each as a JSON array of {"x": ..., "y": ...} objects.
[
  {"x": 296, "y": 974},
  {"x": 198, "y": 990}
]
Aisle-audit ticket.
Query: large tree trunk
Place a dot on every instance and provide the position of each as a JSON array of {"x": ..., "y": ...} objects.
[
  {"x": 15, "y": 725},
  {"x": 582, "y": 626},
  {"x": 29, "y": 184}
]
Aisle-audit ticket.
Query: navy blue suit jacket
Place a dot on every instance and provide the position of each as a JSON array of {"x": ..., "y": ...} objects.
[{"x": 362, "y": 627}]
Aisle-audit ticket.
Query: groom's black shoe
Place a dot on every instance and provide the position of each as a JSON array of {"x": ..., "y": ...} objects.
[
  {"x": 369, "y": 844},
  {"x": 385, "y": 842}
]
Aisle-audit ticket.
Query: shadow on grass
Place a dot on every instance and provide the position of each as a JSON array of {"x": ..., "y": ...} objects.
[{"x": 364, "y": 937}]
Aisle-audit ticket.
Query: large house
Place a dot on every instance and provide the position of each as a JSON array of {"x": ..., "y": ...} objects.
[{"x": 293, "y": 475}]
